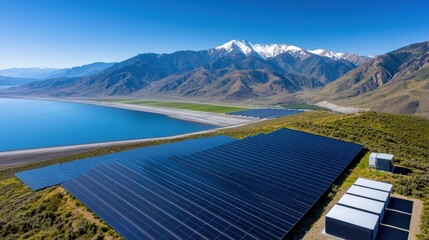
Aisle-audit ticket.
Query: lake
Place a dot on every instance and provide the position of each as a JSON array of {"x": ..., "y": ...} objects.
[{"x": 27, "y": 124}]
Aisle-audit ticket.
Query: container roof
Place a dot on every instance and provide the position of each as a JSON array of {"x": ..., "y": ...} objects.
[
  {"x": 363, "y": 182},
  {"x": 385, "y": 156},
  {"x": 368, "y": 193},
  {"x": 362, "y": 203},
  {"x": 373, "y": 154},
  {"x": 353, "y": 216}
]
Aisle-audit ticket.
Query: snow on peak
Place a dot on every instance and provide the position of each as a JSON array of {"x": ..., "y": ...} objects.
[
  {"x": 352, "y": 57},
  {"x": 271, "y": 50},
  {"x": 263, "y": 50},
  {"x": 328, "y": 53},
  {"x": 241, "y": 45}
]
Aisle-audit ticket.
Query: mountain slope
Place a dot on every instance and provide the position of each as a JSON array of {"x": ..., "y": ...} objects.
[
  {"x": 27, "y": 73},
  {"x": 9, "y": 81},
  {"x": 236, "y": 70},
  {"x": 81, "y": 71},
  {"x": 395, "y": 82},
  {"x": 354, "y": 58},
  {"x": 49, "y": 73}
]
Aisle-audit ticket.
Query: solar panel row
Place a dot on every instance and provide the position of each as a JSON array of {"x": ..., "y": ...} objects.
[
  {"x": 56, "y": 174},
  {"x": 266, "y": 112},
  {"x": 256, "y": 188}
]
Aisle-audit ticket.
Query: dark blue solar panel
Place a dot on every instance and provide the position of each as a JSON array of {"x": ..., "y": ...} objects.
[
  {"x": 255, "y": 188},
  {"x": 266, "y": 112},
  {"x": 56, "y": 174}
]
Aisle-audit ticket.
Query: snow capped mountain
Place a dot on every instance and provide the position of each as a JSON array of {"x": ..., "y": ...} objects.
[
  {"x": 272, "y": 50},
  {"x": 354, "y": 58},
  {"x": 233, "y": 71},
  {"x": 242, "y": 46},
  {"x": 263, "y": 50},
  {"x": 327, "y": 53}
]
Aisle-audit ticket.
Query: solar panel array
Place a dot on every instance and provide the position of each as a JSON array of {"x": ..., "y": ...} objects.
[
  {"x": 255, "y": 188},
  {"x": 52, "y": 175},
  {"x": 265, "y": 112}
]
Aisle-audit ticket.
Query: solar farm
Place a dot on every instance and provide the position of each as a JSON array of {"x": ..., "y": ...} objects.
[{"x": 259, "y": 187}]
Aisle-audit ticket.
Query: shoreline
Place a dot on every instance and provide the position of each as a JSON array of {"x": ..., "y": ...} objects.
[
  {"x": 222, "y": 121},
  {"x": 19, "y": 157},
  {"x": 216, "y": 119}
]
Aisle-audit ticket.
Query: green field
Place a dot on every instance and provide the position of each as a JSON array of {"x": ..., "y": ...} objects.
[
  {"x": 184, "y": 105},
  {"x": 53, "y": 213}
]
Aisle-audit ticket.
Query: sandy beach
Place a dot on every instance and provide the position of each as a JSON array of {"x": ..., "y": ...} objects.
[{"x": 13, "y": 158}]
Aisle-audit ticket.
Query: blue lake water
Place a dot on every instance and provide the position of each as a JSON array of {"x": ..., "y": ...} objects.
[{"x": 26, "y": 124}]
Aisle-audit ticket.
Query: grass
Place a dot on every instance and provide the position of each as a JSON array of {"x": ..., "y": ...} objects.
[
  {"x": 406, "y": 137},
  {"x": 48, "y": 214},
  {"x": 185, "y": 105}
]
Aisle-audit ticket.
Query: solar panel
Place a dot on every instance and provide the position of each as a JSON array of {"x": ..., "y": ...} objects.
[
  {"x": 56, "y": 174},
  {"x": 255, "y": 188},
  {"x": 265, "y": 112}
]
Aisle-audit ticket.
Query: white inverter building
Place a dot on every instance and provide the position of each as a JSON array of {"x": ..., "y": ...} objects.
[
  {"x": 363, "y": 204},
  {"x": 381, "y": 186},
  {"x": 359, "y": 212},
  {"x": 372, "y": 159},
  {"x": 370, "y": 194},
  {"x": 381, "y": 161},
  {"x": 349, "y": 223}
]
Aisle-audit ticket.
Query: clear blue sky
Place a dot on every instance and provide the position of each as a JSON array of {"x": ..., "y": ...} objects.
[{"x": 59, "y": 33}]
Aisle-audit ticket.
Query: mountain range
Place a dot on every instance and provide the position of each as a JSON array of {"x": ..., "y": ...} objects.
[
  {"x": 262, "y": 73},
  {"x": 27, "y": 73},
  {"x": 18, "y": 76},
  {"x": 236, "y": 70},
  {"x": 9, "y": 81}
]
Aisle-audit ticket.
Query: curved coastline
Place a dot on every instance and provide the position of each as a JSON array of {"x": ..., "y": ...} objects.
[
  {"x": 18, "y": 157},
  {"x": 217, "y": 119}
]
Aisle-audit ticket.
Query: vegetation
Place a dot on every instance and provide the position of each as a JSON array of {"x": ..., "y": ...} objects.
[
  {"x": 48, "y": 214},
  {"x": 42, "y": 213},
  {"x": 185, "y": 105}
]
